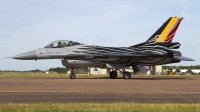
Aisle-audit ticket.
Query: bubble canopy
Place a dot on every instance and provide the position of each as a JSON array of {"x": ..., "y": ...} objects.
[{"x": 61, "y": 43}]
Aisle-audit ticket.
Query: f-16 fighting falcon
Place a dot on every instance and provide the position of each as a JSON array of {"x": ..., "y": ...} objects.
[{"x": 157, "y": 50}]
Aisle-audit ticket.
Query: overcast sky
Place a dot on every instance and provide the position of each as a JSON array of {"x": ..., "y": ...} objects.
[{"x": 31, "y": 24}]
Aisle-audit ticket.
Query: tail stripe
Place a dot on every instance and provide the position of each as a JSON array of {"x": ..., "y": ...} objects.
[
  {"x": 165, "y": 32},
  {"x": 172, "y": 33}
]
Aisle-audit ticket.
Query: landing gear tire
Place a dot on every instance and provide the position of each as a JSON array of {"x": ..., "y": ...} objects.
[
  {"x": 113, "y": 74},
  {"x": 126, "y": 75},
  {"x": 72, "y": 76}
]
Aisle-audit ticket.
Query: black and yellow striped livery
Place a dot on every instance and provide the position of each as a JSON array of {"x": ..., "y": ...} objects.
[{"x": 166, "y": 32}]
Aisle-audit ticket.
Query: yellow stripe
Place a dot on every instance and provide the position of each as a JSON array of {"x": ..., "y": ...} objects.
[{"x": 165, "y": 32}]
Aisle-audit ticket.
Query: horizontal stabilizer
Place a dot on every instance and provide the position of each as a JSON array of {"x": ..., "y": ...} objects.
[{"x": 183, "y": 58}]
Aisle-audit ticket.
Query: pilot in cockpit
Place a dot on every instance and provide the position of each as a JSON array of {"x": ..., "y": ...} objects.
[
  {"x": 70, "y": 43},
  {"x": 59, "y": 44}
]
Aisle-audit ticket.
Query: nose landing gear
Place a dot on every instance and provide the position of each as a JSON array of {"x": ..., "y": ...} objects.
[{"x": 72, "y": 75}]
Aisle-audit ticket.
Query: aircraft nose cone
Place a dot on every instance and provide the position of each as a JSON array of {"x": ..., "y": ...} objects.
[{"x": 26, "y": 56}]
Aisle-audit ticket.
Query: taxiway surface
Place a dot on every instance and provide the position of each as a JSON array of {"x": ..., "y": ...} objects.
[{"x": 140, "y": 90}]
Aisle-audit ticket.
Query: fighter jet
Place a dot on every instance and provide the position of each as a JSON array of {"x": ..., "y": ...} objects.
[{"x": 157, "y": 50}]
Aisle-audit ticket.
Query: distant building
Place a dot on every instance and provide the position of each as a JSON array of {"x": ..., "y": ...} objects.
[
  {"x": 95, "y": 70},
  {"x": 196, "y": 71},
  {"x": 157, "y": 69},
  {"x": 185, "y": 70}
]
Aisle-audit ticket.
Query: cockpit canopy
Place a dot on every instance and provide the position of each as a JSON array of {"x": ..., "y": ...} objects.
[{"x": 61, "y": 43}]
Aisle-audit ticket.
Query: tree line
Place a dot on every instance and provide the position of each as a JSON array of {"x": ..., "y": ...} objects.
[
  {"x": 28, "y": 71},
  {"x": 181, "y": 67},
  {"x": 178, "y": 68},
  {"x": 57, "y": 69}
]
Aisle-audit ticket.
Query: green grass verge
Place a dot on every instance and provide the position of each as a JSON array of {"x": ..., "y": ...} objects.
[
  {"x": 97, "y": 107},
  {"x": 32, "y": 75},
  {"x": 88, "y": 76},
  {"x": 47, "y": 75}
]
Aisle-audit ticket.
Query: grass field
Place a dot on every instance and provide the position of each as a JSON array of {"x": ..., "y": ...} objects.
[
  {"x": 32, "y": 75},
  {"x": 46, "y": 75},
  {"x": 97, "y": 107}
]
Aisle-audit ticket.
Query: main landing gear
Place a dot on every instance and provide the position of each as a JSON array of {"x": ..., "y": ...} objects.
[
  {"x": 126, "y": 75},
  {"x": 113, "y": 74},
  {"x": 72, "y": 75}
]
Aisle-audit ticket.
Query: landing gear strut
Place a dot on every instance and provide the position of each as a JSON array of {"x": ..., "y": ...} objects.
[
  {"x": 72, "y": 75},
  {"x": 113, "y": 74}
]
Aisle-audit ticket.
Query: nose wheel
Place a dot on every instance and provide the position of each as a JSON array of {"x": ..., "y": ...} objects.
[
  {"x": 72, "y": 75},
  {"x": 113, "y": 74}
]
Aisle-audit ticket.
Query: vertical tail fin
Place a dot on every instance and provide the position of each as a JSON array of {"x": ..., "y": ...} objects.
[{"x": 166, "y": 32}]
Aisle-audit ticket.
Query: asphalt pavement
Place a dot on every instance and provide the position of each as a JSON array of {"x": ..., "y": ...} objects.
[{"x": 101, "y": 90}]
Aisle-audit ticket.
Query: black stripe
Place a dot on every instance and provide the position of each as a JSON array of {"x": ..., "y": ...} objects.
[{"x": 159, "y": 31}]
